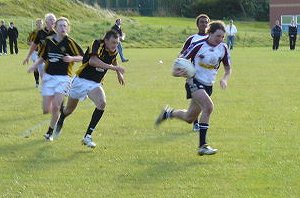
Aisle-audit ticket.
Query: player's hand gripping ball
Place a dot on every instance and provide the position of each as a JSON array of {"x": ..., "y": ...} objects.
[{"x": 186, "y": 65}]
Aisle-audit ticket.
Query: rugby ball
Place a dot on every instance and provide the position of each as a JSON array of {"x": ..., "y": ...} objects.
[{"x": 184, "y": 64}]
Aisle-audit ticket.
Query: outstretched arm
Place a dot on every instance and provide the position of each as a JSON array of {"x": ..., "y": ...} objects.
[
  {"x": 35, "y": 65},
  {"x": 227, "y": 74},
  {"x": 31, "y": 49},
  {"x": 96, "y": 62},
  {"x": 69, "y": 59}
]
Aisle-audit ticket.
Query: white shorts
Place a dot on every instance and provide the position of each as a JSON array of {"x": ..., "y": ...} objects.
[
  {"x": 53, "y": 84},
  {"x": 80, "y": 88},
  {"x": 34, "y": 56}
]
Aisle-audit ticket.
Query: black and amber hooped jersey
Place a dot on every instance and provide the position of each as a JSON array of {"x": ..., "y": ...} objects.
[
  {"x": 41, "y": 36},
  {"x": 53, "y": 52},
  {"x": 89, "y": 72},
  {"x": 32, "y": 35}
]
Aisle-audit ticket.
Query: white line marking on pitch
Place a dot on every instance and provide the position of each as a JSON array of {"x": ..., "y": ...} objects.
[{"x": 29, "y": 131}]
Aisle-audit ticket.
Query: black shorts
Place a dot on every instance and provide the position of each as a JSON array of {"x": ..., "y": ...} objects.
[{"x": 193, "y": 85}]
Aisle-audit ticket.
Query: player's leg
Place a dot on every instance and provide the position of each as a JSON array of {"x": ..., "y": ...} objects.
[
  {"x": 47, "y": 106},
  {"x": 56, "y": 103},
  {"x": 64, "y": 112},
  {"x": 187, "y": 115},
  {"x": 97, "y": 95},
  {"x": 36, "y": 78},
  {"x": 204, "y": 101}
]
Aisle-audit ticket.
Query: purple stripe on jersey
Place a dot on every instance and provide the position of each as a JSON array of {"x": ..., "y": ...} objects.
[
  {"x": 191, "y": 53},
  {"x": 186, "y": 44},
  {"x": 225, "y": 59}
]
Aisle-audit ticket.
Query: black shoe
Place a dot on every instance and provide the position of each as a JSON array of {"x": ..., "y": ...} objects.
[{"x": 125, "y": 60}]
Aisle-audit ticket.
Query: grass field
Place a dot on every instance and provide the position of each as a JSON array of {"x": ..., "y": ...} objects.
[
  {"x": 255, "y": 126},
  {"x": 90, "y": 22}
]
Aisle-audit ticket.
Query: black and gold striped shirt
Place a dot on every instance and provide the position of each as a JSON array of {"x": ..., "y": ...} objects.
[
  {"x": 31, "y": 37},
  {"x": 41, "y": 36},
  {"x": 53, "y": 52},
  {"x": 89, "y": 72}
]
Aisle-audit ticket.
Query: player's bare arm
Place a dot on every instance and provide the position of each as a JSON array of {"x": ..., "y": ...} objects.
[
  {"x": 227, "y": 74},
  {"x": 96, "y": 62},
  {"x": 33, "y": 47},
  {"x": 69, "y": 59},
  {"x": 35, "y": 65}
]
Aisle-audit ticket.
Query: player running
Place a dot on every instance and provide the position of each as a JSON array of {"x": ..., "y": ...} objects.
[
  {"x": 206, "y": 56},
  {"x": 97, "y": 60},
  {"x": 40, "y": 38},
  {"x": 34, "y": 55},
  {"x": 202, "y": 23},
  {"x": 59, "y": 54}
]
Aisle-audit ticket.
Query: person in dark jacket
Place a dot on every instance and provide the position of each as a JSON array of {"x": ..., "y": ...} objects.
[
  {"x": 13, "y": 34},
  {"x": 292, "y": 34},
  {"x": 117, "y": 28},
  {"x": 3, "y": 37},
  {"x": 276, "y": 33}
]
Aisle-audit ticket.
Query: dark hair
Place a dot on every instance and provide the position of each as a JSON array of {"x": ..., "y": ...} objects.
[
  {"x": 216, "y": 25},
  {"x": 109, "y": 34},
  {"x": 201, "y": 16}
]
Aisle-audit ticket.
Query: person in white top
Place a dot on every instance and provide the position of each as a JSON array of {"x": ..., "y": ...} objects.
[
  {"x": 202, "y": 21},
  {"x": 231, "y": 31},
  {"x": 206, "y": 55}
]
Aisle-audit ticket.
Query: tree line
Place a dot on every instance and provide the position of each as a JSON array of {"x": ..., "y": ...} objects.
[{"x": 217, "y": 9}]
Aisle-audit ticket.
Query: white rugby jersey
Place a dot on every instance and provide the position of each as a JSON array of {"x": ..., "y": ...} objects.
[
  {"x": 192, "y": 39},
  {"x": 206, "y": 59}
]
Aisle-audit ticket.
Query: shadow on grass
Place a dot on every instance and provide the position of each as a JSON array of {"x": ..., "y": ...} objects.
[
  {"x": 36, "y": 155},
  {"x": 17, "y": 89},
  {"x": 159, "y": 172}
]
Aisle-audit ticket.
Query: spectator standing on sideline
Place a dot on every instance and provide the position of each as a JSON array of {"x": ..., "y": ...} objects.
[
  {"x": 117, "y": 28},
  {"x": 292, "y": 34},
  {"x": 3, "y": 37},
  {"x": 13, "y": 34},
  {"x": 231, "y": 30},
  {"x": 276, "y": 33}
]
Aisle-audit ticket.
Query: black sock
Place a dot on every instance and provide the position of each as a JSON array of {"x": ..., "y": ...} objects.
[
  {"x": 36, "y": 76},
  {"x": 202, "y": 133},
  {"x": 61, "y": 118},
  {"x": 168, "y": 114},
  {"x": 50, "y": 131},
  {"x": 94, "y": 121},
  {"x": 196, "y": 122}
]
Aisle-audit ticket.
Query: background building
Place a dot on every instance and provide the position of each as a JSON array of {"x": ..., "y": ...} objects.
[{"x": 285, "y": 11}]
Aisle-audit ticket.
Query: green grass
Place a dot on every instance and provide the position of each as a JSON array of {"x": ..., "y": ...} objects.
[
  {"x": 89, "y": 23},
  {"x": 255, "y": 126}
]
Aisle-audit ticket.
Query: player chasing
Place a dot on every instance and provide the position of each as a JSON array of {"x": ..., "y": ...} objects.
[
  {"x": 206, "y": 56},
  {"x": 97, "y": 60},
  {"x": 202, "y": 21},
  {"x": 34, "y": 55},
  {"x": 59, "y": 54},
  {"x": 39, "y": 40}
]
